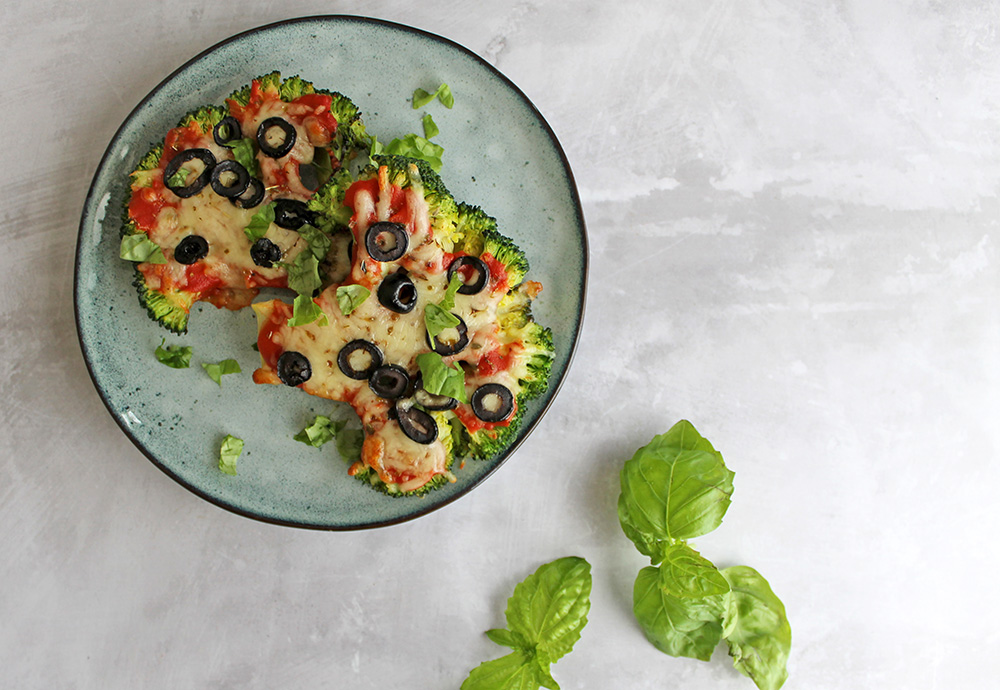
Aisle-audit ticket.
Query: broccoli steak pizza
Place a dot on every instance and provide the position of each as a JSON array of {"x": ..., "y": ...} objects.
[{"x": 411, "y": 307}]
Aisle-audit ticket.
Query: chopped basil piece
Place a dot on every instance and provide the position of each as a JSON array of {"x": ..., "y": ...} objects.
[
  {"x": 138, "y": 247},
  {"x": 259, "y": 223},
  {"x": 244, "y": 154},
  {"x": 231, "y": 449},
  {"x": 350, "y": 297},
  {"x": 443, "y": 93},
  {"x": 174, "y": 356},
  {"x": 305, "y": 310},
  {"x": 349, "y": 443},
  {"x": 179, "y": 178},
  {"x": 319, "y": 242},
  {"x": 321, "y": 431},
  {"x": 414, "y": 146},
  {"x": 303, "y": 273},
  {"x": 440, "y": 378},
  {"x": 437, "y": 320},
  {"x": 430, "y": 127},
  {"x": 218, "y": 370}
]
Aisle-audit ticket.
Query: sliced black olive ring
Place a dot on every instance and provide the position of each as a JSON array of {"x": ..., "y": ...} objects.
[
  {"x": 444, "y": 347},
  {"x": 345, "y": 356},
  {"x": 265, "y": 253},
  {"x": 430, "y": 401},
  {"x": 293, "y": 368},
  {"x": 288, "y": 141},
  {"x": 416, "y": 424},
  {"x": 256, "y": 195},
  {"x": 227, "y": 131},
  {"x": 480, "y": 268},
  {"x": 188, "y": 190},
  {"x": 390, "y": 381},
  {"x": 190, "y": 249},
  {"x": 292, "y": 214},
  {"x": 398, "y": 293},
  {"x": 376, "y": 239},
  {"x": 502, "y": 398},
  {"x": 230, "y": 179}
]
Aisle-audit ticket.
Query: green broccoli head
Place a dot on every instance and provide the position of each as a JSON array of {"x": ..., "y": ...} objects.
[
  {"x": 407, "y": 172},
  {"x": 328, "y": 201},
  {"x": 206, "y": 117},
  {"x": 476, "y": 233}
]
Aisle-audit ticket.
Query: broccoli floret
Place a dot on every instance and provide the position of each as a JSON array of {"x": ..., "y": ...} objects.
[
  {"x": 406, "y": 172},
  {"x": 488, "y": 443},
  {"x": 446, "y": 436},
  {"x": 206, "y": 117},
  {"x": 350, "y": 136},
  {"x": 328, "y": 201},
  {"x": 170, "y": 310},
  {"x": 267, "y": 82},
  {"x": 476, "y": 233}
]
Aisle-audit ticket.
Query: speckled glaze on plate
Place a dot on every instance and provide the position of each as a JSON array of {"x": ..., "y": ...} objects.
[{"x": 499, "y": 154}]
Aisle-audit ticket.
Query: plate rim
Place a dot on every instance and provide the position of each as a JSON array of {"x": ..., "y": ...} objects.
[{"x": 525, "y": 432}]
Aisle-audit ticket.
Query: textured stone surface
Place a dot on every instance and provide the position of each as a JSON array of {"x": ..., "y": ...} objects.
[{"x": 793, "y": 217}]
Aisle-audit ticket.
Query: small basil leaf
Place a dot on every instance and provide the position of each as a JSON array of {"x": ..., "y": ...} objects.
[
  {"x": 303, "y": 273},
  {"x": 684, "y": 573},
  {"x": 439, "y": 378},
  {"x": 445, "y": 96},
  {"x": 305, "y": 310},
  {"x": 675, "y": 626},
  {"x": 506, "y": 638},
  {"x": 549, "y": 609},
  {"x": 422, "y": 98},
  {"x": 319, "y": 432},
  {"x": 349, "y": 443},
  {"x": 259, "y": 223},
  {"x": 174, "y": 356},
  {"x": 437, "y": 320},
  {"x": 231, "y": 449},
  {"x": 350, "y": 297},
  {"x": 244, "y": 154},
  {"x": 179, "y": 178},
  {"x": 756, "y": 628},
  {"x": 217, "y": 370},
  {"x": 454, "y": 285},
  {"x": 414, "y": 146},
  {"x": 319, "y": 242},
  {"x": 138, "y": 247},
  {"x": 516, "y": 671},
  {"x": 430, "y": 127}
]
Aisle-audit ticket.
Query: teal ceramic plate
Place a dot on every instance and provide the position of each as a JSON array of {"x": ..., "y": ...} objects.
[{"x": 499, "y": 154}]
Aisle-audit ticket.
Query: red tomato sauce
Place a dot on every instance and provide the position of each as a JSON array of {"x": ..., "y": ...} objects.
[
  {"x": 269, "y": 350},
  {"x": 474, "y": 423}
]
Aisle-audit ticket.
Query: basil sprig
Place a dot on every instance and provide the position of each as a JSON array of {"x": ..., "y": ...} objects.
[
  {"x": 677, "y": 488},
  {"x": 438, "y": 317},
  {"x": 229, "y": 452},
  {"x": 174, "y": 356},
  {"x": 545, "y": 617}
]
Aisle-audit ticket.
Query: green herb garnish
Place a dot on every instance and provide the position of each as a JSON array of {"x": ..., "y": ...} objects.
[
  {"x": 138, "y": 247},
  {"x": 440, "y": 378},
  {"x": 219, "y": 369},
  {"x": 443, "y": 93},
  {"x": 438, "y": 317},
  {"x": 350, "y": 297},
  {"x": 414, "y": 146},
  {"x": 305, "y": 310},
  {"x": 231, "y": 449},
  {"x": 319, "y": 242},
  {"x": 545, "y": 617},
  {"x": 259, "y": 223},
  {"x": 244, "y": 154},
  {"x": 321, "y": 431},
  {"x": 430, "y": 127},
  {"x": 303, "y": 273},
  {"x": 174, "y": 356},
  {"x": 179, "y": 178},
  {"x": 677, "y": 488}
]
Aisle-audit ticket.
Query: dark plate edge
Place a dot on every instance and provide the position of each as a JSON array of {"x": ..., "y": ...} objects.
[{"x": 524, "y": 432}]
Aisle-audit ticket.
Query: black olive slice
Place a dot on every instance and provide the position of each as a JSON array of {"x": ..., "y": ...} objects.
[
  {"x": 430, "y": 401},
  {"x": 386, "y": 241},
  {"x": 287, "y": 142},
  {"x": 190, "y": 249},
  {"x": 446, "y": 347},
  {"x": 390, "y": 381},
  {"x": 398, "y": 293},
  {"x": 189, "y": 189},
  {"x": 230, "y": 179},
  {"x": 265, "y": 253},
  {"x": 416, "y": 424},
  {"x": 292, "y": 214},
  {"x": 227, "y": 131},
  {"x": 492, "y": 402},
  {"x": 309, "y": 176},
  {"x": 251, "y": 196},
  {"x": 468, "y": 264},
  {"x": 293, "y": 368},
  {"x": 346, "y": 355}
]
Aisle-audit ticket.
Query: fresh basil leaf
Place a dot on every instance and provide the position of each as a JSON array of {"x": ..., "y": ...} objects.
[
  {"x": 684, "y": 573},
  {"x": 445, "y": 96},
  {"x": 376, "y": 147},
  {"x": 179, "y": 178},
  {"x": 303, "y": 273},
  {"x": 349, "y": 443},
  {"x": 320, "y": 431},
  {"x": 678, "y": 627},
  {"x": 217, "y": 370},
  {"x": 174, "y": 356},
  {"x": 350, "y": 297},
  {"x": 671, "y": 493},
  {"x": 437, "y": 320},
  {"x": 319, "y": 242},
  {"x": 756, "y": 628},
  {"x": 516, "y": 671},
  {"x": 422, "y": 98},
  {"x": 414, "y": 146},
  {"x": 259, "y": 223},
  {"x": 549, "y": 609},
  {"x": 646, "y": 543},
  {"x": 245, "y": 155},
  {"x": 230, "y": 451},
  {"x": 506, "y": 638},
  {"x": 323, "y": 165},
  {"x": 454, "y": 285},
  {"x": 138, "y": 247},
  {"x": 430, "y": 127},
  {"x": 305, "y": 310},
  {"x": 440, "y": 378}
]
